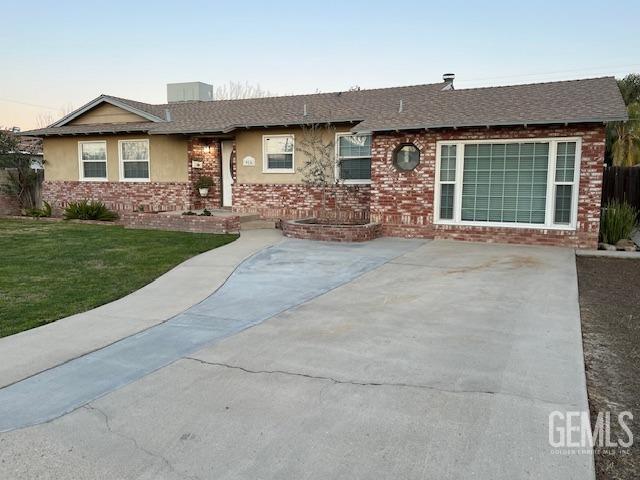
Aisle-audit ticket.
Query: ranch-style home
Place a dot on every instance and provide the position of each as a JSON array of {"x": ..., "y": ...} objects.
[{"x": 517, "y": 164}]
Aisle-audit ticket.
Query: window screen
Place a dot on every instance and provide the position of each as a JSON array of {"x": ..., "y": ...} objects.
[
  {"x": 279, "y": 152},
  {"x": 94, "y": 160},
  {"x": 134, "y": 155},
  {"x": 447, "y": 180},
  {"x": 505, "y": 182},
  {"x": 354, "y": 157},
  {"x": 564, "y": 179}
]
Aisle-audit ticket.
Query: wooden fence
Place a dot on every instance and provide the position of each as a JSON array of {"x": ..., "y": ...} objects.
[{"x": 621, "y": 183}]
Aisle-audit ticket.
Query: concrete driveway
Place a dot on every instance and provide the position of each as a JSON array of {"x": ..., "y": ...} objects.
[{"x": 442, "y": 360}]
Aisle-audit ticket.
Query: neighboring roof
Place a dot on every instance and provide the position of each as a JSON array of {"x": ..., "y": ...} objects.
[
  {"x": 423, "y": 106},
  {"x": 26, "y": 145}
]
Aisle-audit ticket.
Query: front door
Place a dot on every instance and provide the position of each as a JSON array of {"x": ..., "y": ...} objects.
[{"x": 227, "y": 178}]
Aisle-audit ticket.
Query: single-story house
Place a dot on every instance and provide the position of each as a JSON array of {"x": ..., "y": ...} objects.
[{"x": 518, "y": 164}]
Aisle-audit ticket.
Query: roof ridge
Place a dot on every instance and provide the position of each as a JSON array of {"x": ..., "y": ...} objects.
[
  {"x": 317, "y": 94},
  {"x": 555, "y": 82}
]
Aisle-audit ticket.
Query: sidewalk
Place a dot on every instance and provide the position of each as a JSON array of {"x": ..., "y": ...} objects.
[{"x": 33, "y": 351}]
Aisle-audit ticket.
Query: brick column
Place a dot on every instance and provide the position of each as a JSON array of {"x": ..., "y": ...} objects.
[{"x": 211, "y": 166}]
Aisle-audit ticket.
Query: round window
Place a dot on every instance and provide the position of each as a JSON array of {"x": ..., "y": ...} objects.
[{"x": 407, "y": 157}]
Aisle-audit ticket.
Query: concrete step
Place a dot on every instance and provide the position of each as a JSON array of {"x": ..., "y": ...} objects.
[
  {"x": 247, "y": 217},
  {"x": 257, "y": 224}
]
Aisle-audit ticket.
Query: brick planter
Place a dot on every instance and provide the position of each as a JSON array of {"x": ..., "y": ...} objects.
[
  {"x": 306, "y": 230},
  {"x": 180, "y": 223}
]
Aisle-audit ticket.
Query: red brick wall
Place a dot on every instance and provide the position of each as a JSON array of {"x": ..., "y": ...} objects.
[
  {"x": 211, "y": 166},
  {"x": 121, "y": 196},
  {"x": 181, "y": 223},
  {"x": 9, "y": 205},
  {"x": 300, "y": 201},
  {"x": 403, "y": 201},
  {"x": 333, "y": 233}
]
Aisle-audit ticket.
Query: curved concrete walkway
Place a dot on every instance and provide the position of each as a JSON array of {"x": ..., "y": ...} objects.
[
  {"x": 38, "y": 349},
  {"x": 270, "y": 282}
]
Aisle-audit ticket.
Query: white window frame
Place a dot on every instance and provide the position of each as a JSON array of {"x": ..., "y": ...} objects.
[
  {"x": 81, "y": 162},
  {"x": 338, "y": 157},
  {"x": 265, "y": 163},
  {"x": 122, "y": 162},
  {"x": 551, "y": 185}
]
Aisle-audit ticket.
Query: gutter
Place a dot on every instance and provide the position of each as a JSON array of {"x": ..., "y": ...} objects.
[{"x": 488, "y": 125}]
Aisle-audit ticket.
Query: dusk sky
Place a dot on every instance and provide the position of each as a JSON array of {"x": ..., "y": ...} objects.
[{"x": 58, "y": 55}]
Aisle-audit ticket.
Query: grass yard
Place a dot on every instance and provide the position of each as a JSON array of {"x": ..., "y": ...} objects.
[
  {"x": 610, "y": 311},
  {"x": 50, "y": 270}
]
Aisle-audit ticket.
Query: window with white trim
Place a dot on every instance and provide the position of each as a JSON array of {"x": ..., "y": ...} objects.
[
  {"x": 525, "y": 183},
  {"x": 353, "y": 153},
  {"x": 447, "y": 180},
  {"x": 93, "y": 160},
  {"x": 278, "y": 153},
  {"x": 134, "y": 160}
]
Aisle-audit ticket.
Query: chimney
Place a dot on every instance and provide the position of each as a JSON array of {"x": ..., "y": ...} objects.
[{"x": 448, "y": 81}]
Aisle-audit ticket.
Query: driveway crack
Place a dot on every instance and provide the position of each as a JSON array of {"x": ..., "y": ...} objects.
[
  {"x": 379, "y": 384},
  {"x": 135, "y": 443}
]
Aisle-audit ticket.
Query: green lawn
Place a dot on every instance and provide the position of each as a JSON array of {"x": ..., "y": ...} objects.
[{"x": 49, "y": 270}]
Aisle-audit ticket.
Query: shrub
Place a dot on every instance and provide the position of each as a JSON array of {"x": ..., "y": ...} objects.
[
  {"x": 204, "y": 182},
  {"x": 85, "y": 210},
  {"x": 205, "y": 213},
  {"x": 617, "y": 222},
  {"x": 45, "y": 211},
  {"x": 189, "y": 213}
]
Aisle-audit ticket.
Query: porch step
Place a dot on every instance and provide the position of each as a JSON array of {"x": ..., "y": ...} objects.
[
  {"x": 257, "y": 224},
  {"x": 246, "y": 218}
]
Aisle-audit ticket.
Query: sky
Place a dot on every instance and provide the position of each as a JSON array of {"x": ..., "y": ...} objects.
[{"x": 56, "y": 56}]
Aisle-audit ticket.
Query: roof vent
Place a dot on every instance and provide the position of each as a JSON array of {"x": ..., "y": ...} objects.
[{"x": 448, "y": 81}]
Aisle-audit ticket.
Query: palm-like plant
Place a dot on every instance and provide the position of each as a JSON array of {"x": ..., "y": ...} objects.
[{"x": 626, "y": 138}]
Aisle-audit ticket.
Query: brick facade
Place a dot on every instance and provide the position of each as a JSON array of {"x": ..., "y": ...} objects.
[
  {"x": 211, "y": 166},
  {"x": 300, "y": 201},
  {"x": 403, "y": 201},
  {"x": 120, "y": 196}
]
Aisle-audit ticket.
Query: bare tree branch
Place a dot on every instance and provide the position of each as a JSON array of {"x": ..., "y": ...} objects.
[{"x": 238, "y": 90}]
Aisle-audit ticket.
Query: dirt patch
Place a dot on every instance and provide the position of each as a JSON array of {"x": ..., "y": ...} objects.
[{"x": 610, "y": 312}]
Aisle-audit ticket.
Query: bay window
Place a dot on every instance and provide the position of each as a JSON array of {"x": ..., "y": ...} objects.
[{"x": 525, "y": 183}]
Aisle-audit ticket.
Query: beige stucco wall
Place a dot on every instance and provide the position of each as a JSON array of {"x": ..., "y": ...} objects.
[
  {"x": 249, "y": 143},
  {"x": 107, "y": 113},
  {"x": 167, "y": 157}
]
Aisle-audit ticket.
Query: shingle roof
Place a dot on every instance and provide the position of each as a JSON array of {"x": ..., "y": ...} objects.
[{"x": 423, "y": 106}]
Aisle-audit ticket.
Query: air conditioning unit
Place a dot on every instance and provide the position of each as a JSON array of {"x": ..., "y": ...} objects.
[{"x": 189, "y": 92}]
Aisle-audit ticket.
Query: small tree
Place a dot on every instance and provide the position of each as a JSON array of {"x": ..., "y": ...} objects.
[
  {"x": 623, "y": 138},
  {"x": 319, "y": 167},
  {"x": 23, "y": 181}
]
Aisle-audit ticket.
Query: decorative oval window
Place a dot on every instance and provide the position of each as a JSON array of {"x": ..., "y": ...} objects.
[{"x": 406, "y": 157}]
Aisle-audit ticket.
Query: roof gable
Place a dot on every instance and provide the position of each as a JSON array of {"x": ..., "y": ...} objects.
[
  {"x": 106, "y": 113},
  {"x": 106, "y": 109}
]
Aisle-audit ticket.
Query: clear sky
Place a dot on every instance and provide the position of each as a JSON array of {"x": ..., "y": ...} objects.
[{"x": 57, "y": 55}]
